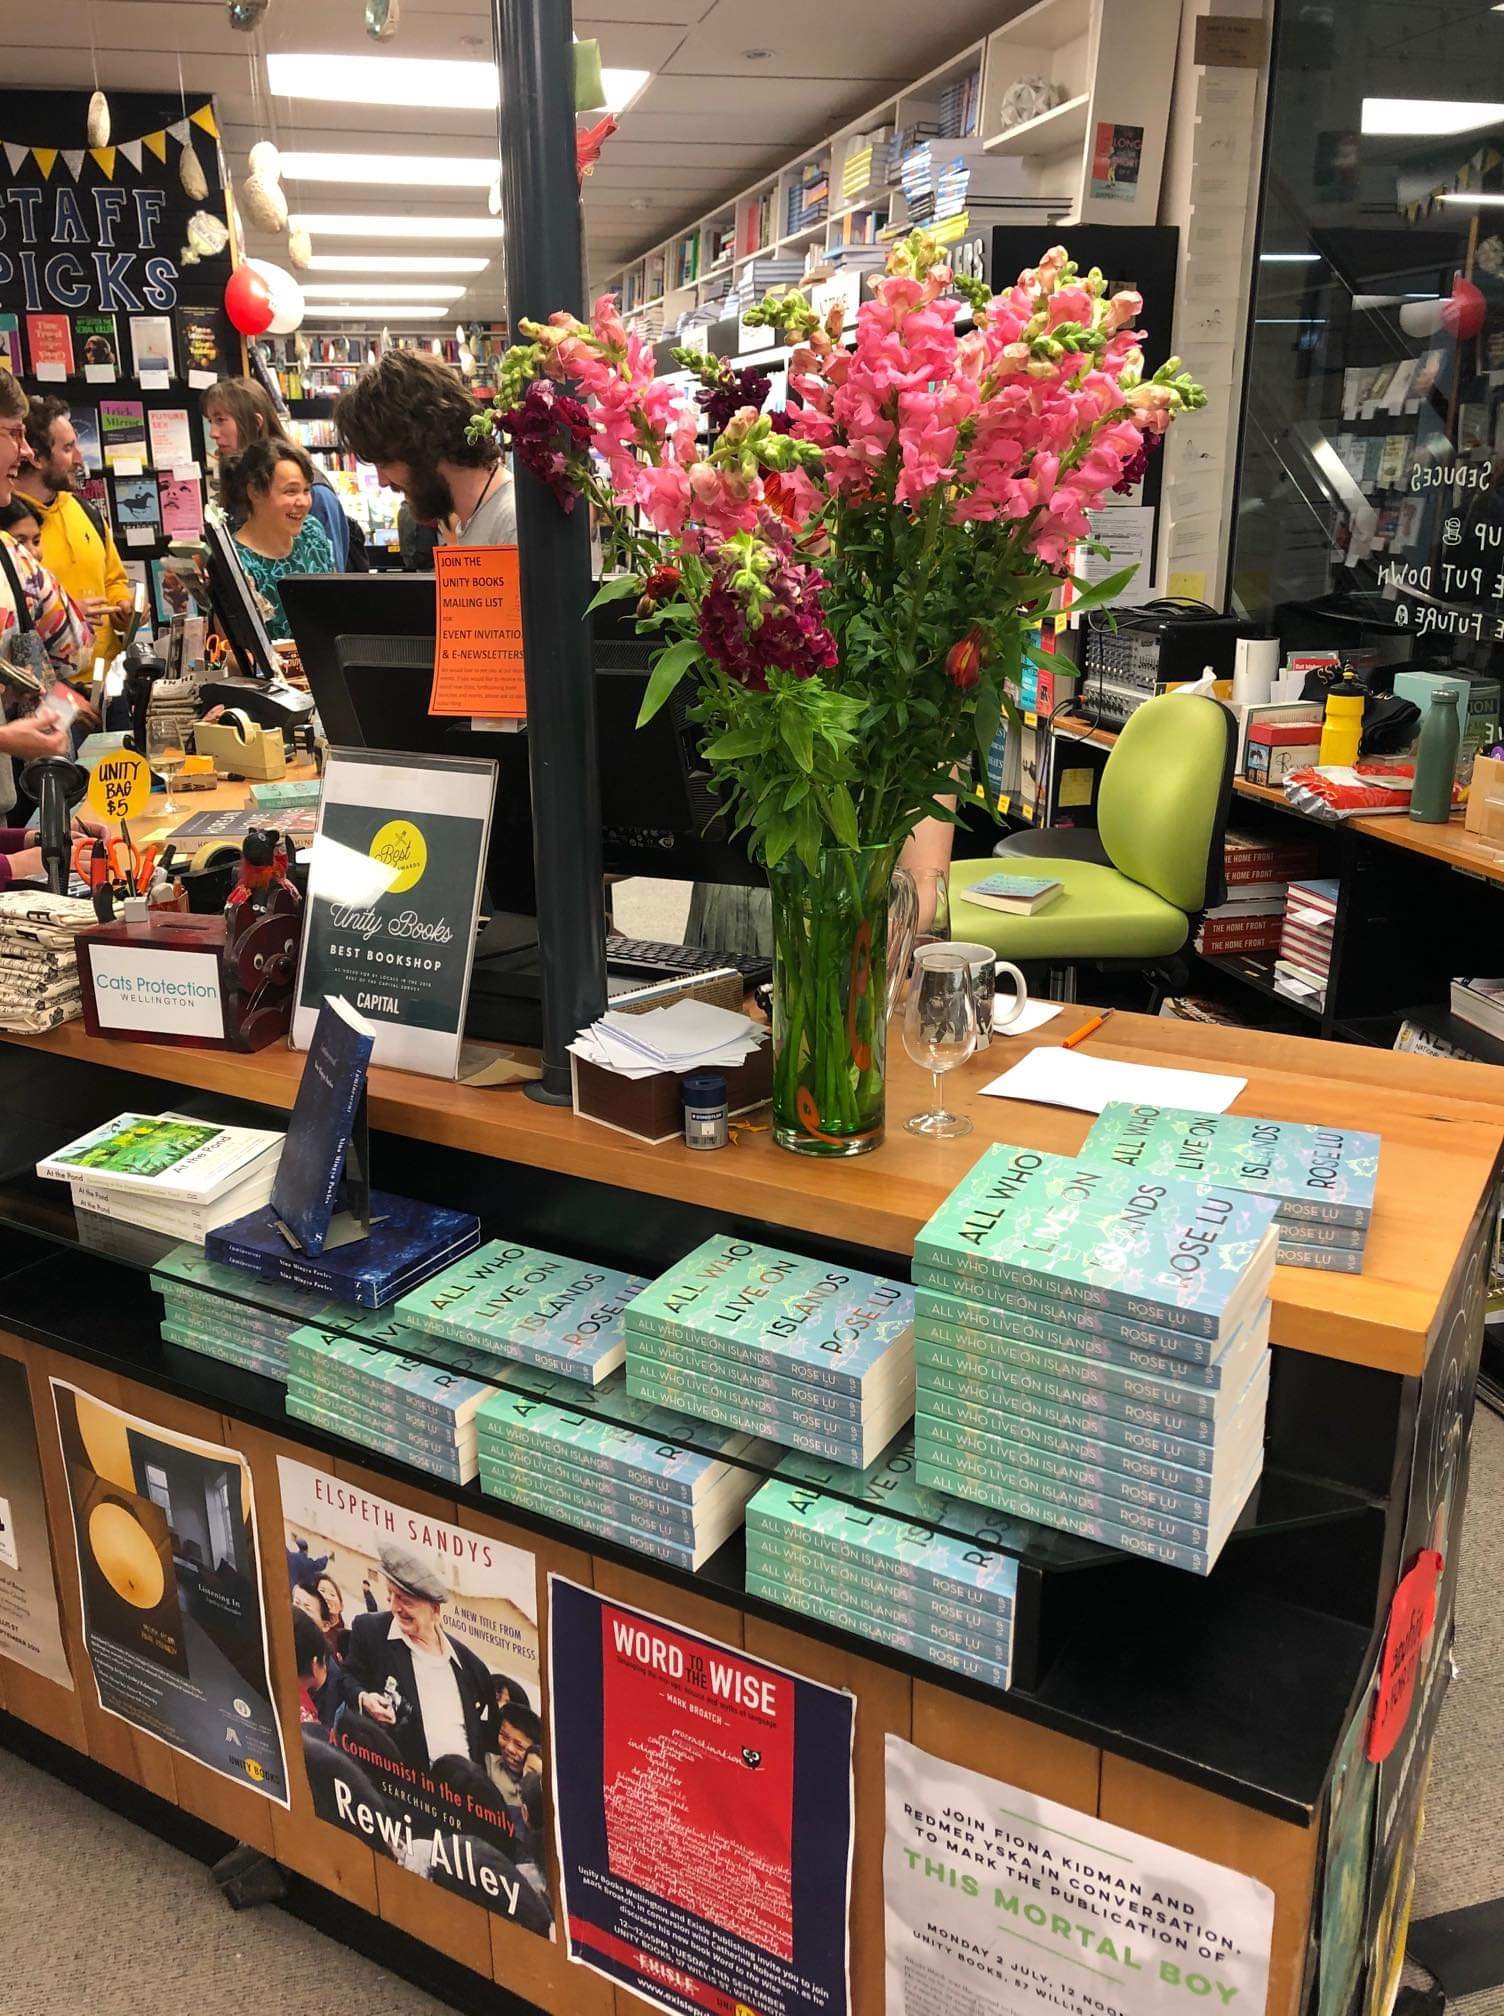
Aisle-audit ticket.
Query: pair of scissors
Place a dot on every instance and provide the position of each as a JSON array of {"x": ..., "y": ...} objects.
[{"x": 117, "y": 865}]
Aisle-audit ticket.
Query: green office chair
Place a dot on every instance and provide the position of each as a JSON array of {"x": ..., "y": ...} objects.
[{"x": 1162, "y": 810}]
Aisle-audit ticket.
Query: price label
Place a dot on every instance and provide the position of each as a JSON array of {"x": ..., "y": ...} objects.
[{"x": 120, "y": 784}]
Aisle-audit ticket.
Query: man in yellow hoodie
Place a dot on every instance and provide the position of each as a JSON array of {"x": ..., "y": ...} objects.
[{"x": 77, "y": 545}]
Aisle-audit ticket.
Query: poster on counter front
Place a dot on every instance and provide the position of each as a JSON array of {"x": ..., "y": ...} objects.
[
  {"x": 419, "y": 1690},
  {"x": 174, "y": 1624},
  {"x": 1000, "y": 1903},
  {"x": 31, "y": 1630},
  {"x": 395, "y": 881},
  {"x": 703, "y": 1802}
]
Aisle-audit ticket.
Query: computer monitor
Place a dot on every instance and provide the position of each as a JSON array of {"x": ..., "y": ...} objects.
[
  {"x": 235, "y": 604},
  {"x": 367, "y": 641}
]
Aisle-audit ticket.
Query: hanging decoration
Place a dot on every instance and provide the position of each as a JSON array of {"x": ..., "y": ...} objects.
[
  {"x": 191, "y": 174},
  {"x": 97, "y": 124},
  {"x": 133, "y": 151},
  {"x": 207, "y": 236},
  {"x": 248, "y": 301},
  {"x": 382, "y": 17},
  {"x": 1482, "y": 162},
  {"x": 245, "y": 15},
  {"x": 299, "y": 247},
  {"x": 588, "y": 145},
  {"x": 284, "y": 294},
  {"x": 493, "y": 198},
  {"x": 589, "y": 85},
  {"x": 261, "y": 196}
]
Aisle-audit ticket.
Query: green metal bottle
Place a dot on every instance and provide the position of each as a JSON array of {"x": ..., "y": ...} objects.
[{"x": 1436, "y": 759}]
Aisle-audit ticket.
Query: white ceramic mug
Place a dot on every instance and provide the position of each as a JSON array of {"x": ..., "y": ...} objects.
[{"x": 985, "y": 967}]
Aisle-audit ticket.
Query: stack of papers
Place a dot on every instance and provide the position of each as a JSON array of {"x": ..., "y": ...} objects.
[
  {"x": 39, "y": 985},
  {"x": 685, "y": 1036}
]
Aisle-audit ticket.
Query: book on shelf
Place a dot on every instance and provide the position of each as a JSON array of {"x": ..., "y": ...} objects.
[
  {"x": 1251, "y": 858},
  {"x": 86, "y": 427},
  {"x": 1017, "y": 895},
  {"x": 167, "y": 1156},
  {"x": 98, "y": 339},
  {"x": 12, "y": 352},
  {"x": 515, "y": 1301},
  {"x": 407, "y": 1242},
  {"x": 122, "y": 429},
  {"x": 49, "y": 339},
  {"x": 198, "y": 340},
  {"x": 192, "y": 1222},
  {"x": 170, "y": 436},
  {"x": 329, "y": 1093},
  {"x": 151, "y": 343},
  {"x": 1480, "y": 1003}
]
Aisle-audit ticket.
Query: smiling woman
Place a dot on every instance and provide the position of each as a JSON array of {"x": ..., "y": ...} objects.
[{"x": 270, "y": 489}]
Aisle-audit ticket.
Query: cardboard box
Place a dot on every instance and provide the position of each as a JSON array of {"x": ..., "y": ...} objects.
[
  {"x": 1485, "y": 800},
  {"x": 652, "y": 1109}
]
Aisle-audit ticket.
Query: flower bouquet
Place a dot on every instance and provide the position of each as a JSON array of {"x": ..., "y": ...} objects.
[{"x": 852, "y": 585}]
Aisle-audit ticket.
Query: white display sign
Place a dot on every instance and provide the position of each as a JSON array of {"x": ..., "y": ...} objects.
[
  {"x": 999, "y": 1903},
  {"x": 166, "y": 993}
]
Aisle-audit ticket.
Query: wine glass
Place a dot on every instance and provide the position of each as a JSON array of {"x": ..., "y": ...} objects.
[
  {"x": 940, "y": 1032},
  {"x": 165, "y": 751}
]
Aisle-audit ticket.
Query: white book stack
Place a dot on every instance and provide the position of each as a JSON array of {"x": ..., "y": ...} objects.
[{"x": 168, "y": 1172}]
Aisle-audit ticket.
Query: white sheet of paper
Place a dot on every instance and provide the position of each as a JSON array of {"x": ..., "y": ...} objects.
[
  {"x": 1051, "y": 1076},
  {"x": 130, "y": 465},
  {"x": 155, "y": 381},
  {"x": 1130, "y": 534},
  {"x": 100, "y": 374},
  {"x": 202, "y": 380},
  {"x": 141, "y": 535},
  {"x": 1035, "y": 1015},
  {"x": 51, "y": 374}
]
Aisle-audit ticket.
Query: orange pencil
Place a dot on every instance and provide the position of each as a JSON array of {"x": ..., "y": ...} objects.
[{"x": 1087, "y": 1029}]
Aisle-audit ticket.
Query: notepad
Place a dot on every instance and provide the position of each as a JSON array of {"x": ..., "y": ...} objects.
[{"x": 1052, "y": 1076}]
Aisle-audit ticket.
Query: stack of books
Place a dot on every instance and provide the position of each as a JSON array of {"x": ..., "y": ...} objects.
[
  {"x": 933, "y": 1595},
  {"x": 39, "y": 985},
  {"x": 819, "y": 1358},
  {"x": 1258, "y": 874},
  {"x": 1321, "y": 1179},
  {"x": 1093, "y": 1351},
  {"x": 652, "y": 1480},
  {"x": 809, "y": 195},
  {"x": 215, "y": 1311},
  {"x": 168, "y": 1172},
  {"x": 958, "y": 106},
  {"x": 510, "y": 1301},
  {"x": 370, "y": 1389},
  {"x": 1304, "y": 965},
  {"x": 1480, "y": 1003}
]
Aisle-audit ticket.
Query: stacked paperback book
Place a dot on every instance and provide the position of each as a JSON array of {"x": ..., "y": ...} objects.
[
  {"x": 1258, "y": 874},
  {"x": 511, "y": 1301},
  {"x": 1093, "y": 1351},
  {"x": 1321, "y": 1179},
  {"x": 819, "y": 1358},
  {"x": 216, "y": 1312},
  {"x": 416, "y": 1404},
  {"x": 168, "y": 1172},
  {"x": 1304, "y": 965},
  {"x": 38, "y": 968},
  {"x": 658, "y": 1482},
  {"x": 1480, "y": 1003},
  {"x": 818, "y": 1543}
]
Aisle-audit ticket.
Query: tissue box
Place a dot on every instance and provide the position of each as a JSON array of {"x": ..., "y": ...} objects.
[{"x": 1485, "y": 800}]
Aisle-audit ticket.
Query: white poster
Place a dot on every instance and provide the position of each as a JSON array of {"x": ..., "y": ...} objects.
[{"x": 999, "y": 1903}]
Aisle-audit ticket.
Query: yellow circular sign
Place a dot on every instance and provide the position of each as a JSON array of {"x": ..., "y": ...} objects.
[
  {"x": 400, "y": 846},
  {"x": 120, "y": 784},
  {"x": 130, "y": 1563}
]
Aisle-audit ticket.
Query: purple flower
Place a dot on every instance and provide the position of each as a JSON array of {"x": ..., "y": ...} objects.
[
  {"x": 1135, "y": 466},
  {"x": 549, "y": 432},
  {"x": 731, "y": 391},
  {"x": 789, "y": 632}
]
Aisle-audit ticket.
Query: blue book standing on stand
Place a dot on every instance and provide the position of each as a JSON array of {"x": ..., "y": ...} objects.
[
  {"x": 311, "y": 1177},
  {"x": 325, "y": 1229}
]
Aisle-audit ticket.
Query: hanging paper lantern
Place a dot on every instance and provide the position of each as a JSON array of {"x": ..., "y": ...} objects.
[
  {"x": 299, "y": 247},
  {"x": 191, "y": 175},
  {"x": 265, "y": 160},
  {"x": 493, "y": 198},
  {"x": 208, "y": 235},
  {"x": 263, "y": 203},
  {"x": 248, "y": 301},
  {"x": 97, "y": 124},
  {"x": 285, "y": 294},
  {"x": 381, "y": 19},
  {"x": 244, "y": 14}
]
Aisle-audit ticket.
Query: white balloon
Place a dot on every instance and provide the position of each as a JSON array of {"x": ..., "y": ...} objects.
[
  {"x": 264, "y": 160},
  {"x": 287, "y": 297}
]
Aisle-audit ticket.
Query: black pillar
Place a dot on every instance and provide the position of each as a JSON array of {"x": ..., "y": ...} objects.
[{"x": 541, "y": 211}]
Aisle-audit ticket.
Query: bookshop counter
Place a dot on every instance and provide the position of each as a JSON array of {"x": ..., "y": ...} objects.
[{"x": 1207, "y": 1713}]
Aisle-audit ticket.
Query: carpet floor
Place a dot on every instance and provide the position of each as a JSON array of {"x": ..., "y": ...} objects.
[{"x": 98, "y": 1918}]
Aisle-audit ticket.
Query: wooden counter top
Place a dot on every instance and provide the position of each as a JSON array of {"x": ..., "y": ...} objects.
[
  {"x": 1448, "y": 843},
  {"x": 1442, "y": 1124}
]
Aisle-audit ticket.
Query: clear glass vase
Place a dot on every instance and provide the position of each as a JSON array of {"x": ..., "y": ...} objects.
[{"x": 842, "y": 939}]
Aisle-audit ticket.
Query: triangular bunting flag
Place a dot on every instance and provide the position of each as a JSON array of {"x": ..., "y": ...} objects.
[
  {"x": 46, "y": 159},
  {"x": 15, "y": 154},
  {"x": 204, "y": 119},
  {"x": 73, "y": 160},
  {"x": 131, "y": 149},
  {"x": 179, "y": 131},
  {"x": 105, "y": 156},
  {"x": 157, "y": 142}
]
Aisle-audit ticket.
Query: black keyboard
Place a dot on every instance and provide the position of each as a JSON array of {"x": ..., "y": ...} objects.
[{"x": 653, "y": 961}]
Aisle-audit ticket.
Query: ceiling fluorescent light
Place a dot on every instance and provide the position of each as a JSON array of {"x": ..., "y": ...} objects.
[
  {"x": 1288, "y": 258},
  {"x": 1428, "y": 118},
  {"x": 367, "y": 312},
  {"x": 1475, "y": 196},
  {"x": 413, "y": 224},
  {"x": 412, "y": 171},
  {"x": 393, "y": 262},
  {"x": 381, "y": 290},
  {"x": 442, "y": 82}
]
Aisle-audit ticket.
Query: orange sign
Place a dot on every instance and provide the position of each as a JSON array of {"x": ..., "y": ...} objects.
[
  {"x": 477, "y": 659},
  {"x": 1411, "y": 1616}
]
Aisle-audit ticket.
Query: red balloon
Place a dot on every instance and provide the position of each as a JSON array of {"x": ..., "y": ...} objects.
[
  {"x": 248, "y": 301},
  {"x": 1465, "y": 313}
]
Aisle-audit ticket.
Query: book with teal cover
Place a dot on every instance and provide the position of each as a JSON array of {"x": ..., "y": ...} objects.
[
  {"x": 983, "y": 1328},
  {"x": 452, "y": 1468},
  {"x": 664, "y": 1520},
  {"x": 540, "y": 1308},
  {"x": 691, "y": 1361},
  {"x": 639, "y": 1503},
  {"x": 995, "y": 1357},
  {"x": 245, "y": 1358},
  {"x": 901, "y": 1604},
  {"x": 207, "y": 1312},
  {"x": 1197, "y": 1557},
  {"x": 997, "y": 1305},
  {"x": 418, "y": 1437},
  {"x": 1086, "y": 1414},
  {"x": 189, "y": 1266},
  {"x": 513, "y": 1487},
  {"x": 430, "y": 1389},
  {"x": 795, "y": 1428},
  {"x": 791, "y": 1559},
  {"x": 860, "y": 1625},
  {"x": 1021, "y": 888},
  {"x": 1189, "y": 1257},
  {"x": 825, "y": 1325},
  {"x": 909, "y": 1551},
  {"x": 1327, "y": 1174},
  {"x": 688, "y": 1473},
  {"x": 961, "y": 1399}
]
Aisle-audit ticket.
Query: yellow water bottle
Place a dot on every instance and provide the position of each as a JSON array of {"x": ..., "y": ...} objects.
[{"x": 1342, "y": 727}]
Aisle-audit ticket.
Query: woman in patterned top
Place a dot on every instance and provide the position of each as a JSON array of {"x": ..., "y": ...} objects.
[
  {"x": 269, "y": 487},
  {"x": 46, "y": 608}
]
